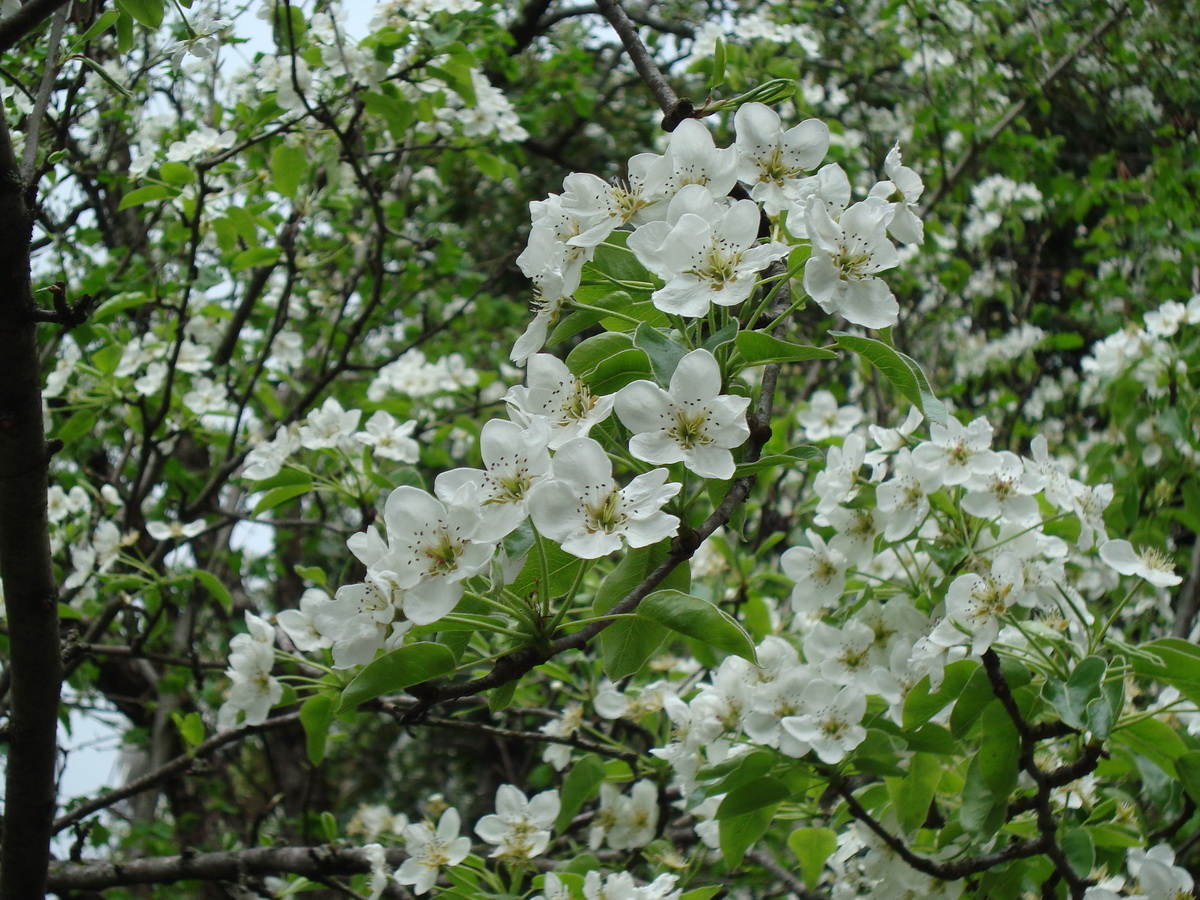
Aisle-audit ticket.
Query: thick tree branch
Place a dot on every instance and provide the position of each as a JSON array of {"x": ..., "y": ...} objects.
[
  {"x": 31, "y": 595},
  {"x": 26, "y": 20},
  {"x": 231, "y": 865}
]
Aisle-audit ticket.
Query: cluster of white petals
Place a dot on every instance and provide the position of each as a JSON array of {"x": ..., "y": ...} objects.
[{"x": 705, "y": 246}]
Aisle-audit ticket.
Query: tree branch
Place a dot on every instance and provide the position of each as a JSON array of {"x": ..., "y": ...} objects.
[
  {"x": 25, "y": 20},
  {"x": 176, "y": 766},
  {"x": 230, "y": 865},
  {"x": 675, "y": 109},
  {"x": 31, "y": 595}
]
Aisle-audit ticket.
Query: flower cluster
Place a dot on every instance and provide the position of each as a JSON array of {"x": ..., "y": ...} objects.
[{"x": 704, "y": 246}]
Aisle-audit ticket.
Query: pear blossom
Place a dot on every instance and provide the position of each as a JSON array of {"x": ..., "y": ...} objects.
[
  {"x": 847, "y": 254},
  {"x": 388, "y": 438},
  {"x": 692, "y": 158},
  {"x": 1005, "y": 491},
  {"x": 625, "y": 822},
  {"x": 515, "y": 459},
  {"x": 520, "y": 827},
  {"x": 1149, "y": 563},
  {"x": 692, "y": 422},
  {"x": 830, "y": 720},
  {"x": 206, "y": 396},
  {"x": 362, "y": 619},
  {"x": 604, "y": 206},
  {"x": 562, "y": 400},
  {"x": 300, "y": 624},
  {"x": 905, "y": 225},
  {"x": 330, "y": 426},
  {"x": 166, "y": 531},
  {"x": 975, "y": 605},
  {"x": 818, "y": 570},
  {"x": 823, "y": 418},
  {"x": 1088, "y": 502},
  {"x": 429, "y": 849},
  {"x": 710, "y": 254},
  {"x": 582, "y": 509},
  {"x": 267, "y": 458},
  {"x": 550, "y": 246},
  {"x": 254, "y": 690},
  {"x": 548, "y": 299},
  {"x": 771, "y": 159},
  {"x": 431, "y": 549},
  {"x": 957, "y": 452}
]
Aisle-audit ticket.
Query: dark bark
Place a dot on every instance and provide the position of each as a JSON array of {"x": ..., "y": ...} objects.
[{"x": 31, "y": 595}]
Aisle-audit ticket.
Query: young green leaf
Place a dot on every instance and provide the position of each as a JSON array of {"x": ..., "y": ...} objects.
[
  {"x": 900, "y": 370},
  {"x": 400, "y": 669}
]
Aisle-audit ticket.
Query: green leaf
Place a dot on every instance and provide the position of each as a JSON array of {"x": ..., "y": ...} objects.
[
  {"x": 897, "y": 368},
  {"x": 698, "y": 619},
  {"x": 191, "y": 728},
  {"x": 118, "y": 303},
  {"x": 759, "y": 349},
  {"x": 315, "y": 574},
  {"x": 920, "y": 705},
  {"x": 915, "y": 791},
  {"x": 982, "y": 813},
  {"x": 718, "y": 67},
  {"x": 1188, "y": 769},
  {"x": 103, "y": 22},
  {"x": 789, "y": 457},
  {"x": 147, "y": 12},
  {"x": 720, "y": 338},
  {"x": 739, "y": 832},
  {"x": 627, "y": 643},
  {"x": 998, "y": 751},
  {"x": 1071, "y": 698},
  {"x": 755, "y": 795},
  {"x": 176, "y": 174},
  {"x": 276, "y": 496},
  {"x": 81, "y": 423},
  {"x": 500, "y": 698},
  {"x": 1080, "y": 851},
  {"x": 316, "y": 715},
  {"x": 704, "y": 893},
  {"x": 213, "y": 585},
  {"x": 812, "y": 846},
  {"x": 664, "y": 354},
  {"x": 289, "y": 165},
  {"x": 977, "y": 693},
  {"x": 400, "y": 669},
  {"x": 563, "y": 569},
  {"x": 1173, "y": 661},
  {"x": 733, "y": 773},
  {"x": 254, "y": 257},
  {"x": 581, "y": 785},
  {"x": 1154, "y": 740},
  {"x": 124, "y": 34},
  {"x": 147, "y": 194}
]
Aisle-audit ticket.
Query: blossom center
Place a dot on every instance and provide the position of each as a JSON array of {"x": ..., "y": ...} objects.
[
  {"x": 606, "y": 515},
  {"x": 579, "y": 404},
  {"x": 443, "y": 554},
  {"x": 689, "y": 429}
]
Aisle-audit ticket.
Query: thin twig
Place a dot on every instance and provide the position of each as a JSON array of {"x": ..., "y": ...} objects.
[{"x": 168, "y": 770}]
